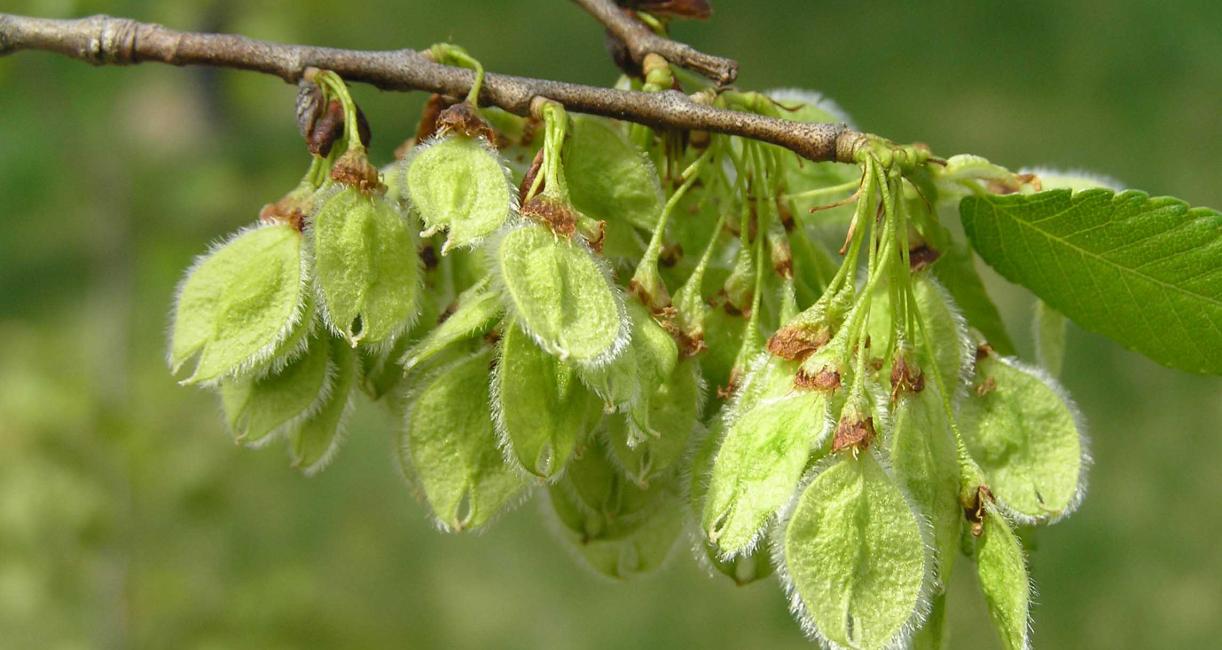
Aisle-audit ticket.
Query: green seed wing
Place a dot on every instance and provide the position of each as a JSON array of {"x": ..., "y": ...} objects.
[
  {"x": 855, "y": 556},
  {"x": 560, "y": 295},
  {"x": 451, "y": 448},
  {"x": 1022, "y": 430},
  {"x": 458, "y": 184},
  {"x": 238, "y": 303}
]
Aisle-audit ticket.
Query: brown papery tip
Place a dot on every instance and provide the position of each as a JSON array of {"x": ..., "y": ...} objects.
[
  {"x": 853, "y": 434},
  {"x": 797, "y": 343},
  {"x": 554, "y": 214},
  {"x": 278, "y": 212},
  {"x": 354, "y": 170},
  {"x": 905, "y": 377},
  {"x": 463, "y": 118},
  {"x": 824, "y": 380}
]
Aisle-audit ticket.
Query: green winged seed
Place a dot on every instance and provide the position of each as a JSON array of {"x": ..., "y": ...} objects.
[
  {"x": 609, "y": 178},
  {"x": 478, "y": 310},
  {"x": 450, "y": 446},
  {"x": 293, "y": 345},
  {"x": 946, "y": 329},
  {"x": 924, "y": 460},
  {"x": 239, "y": 302},
  {"x": 662, "y": 432},
  {"x": 316, "y": 439},
  {"x": 647, "y": 361},
  {"x": 560, "y": 295},
  {"x": 1003, "y": 579},
  {"x": 543, "y": 412},
  {"x": 367, "y": 267},
  {"x": 625, "y": 548},
  {"x": 854, "y": 557},
  {"x": 457, "y": 183},
  {"x": 259, "y": 408},
  {"x": 942, "y": 324},
  {"x": 1022, "y": 430},
  {"x": 772, "y": 431},
  {"x": 615, "y": 527},
  {"x": 596, "y": 487}
]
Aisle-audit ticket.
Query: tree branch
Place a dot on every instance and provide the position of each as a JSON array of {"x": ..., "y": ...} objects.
[
  {"x": 105, "y": 40},
  {"x": 641, "y": 41}
]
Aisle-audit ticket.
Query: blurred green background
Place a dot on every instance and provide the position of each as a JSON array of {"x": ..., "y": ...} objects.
[{"x": 129, "y": 519}]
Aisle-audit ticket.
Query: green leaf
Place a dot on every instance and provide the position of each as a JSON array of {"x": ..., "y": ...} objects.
[
  {"x": 1049, "y": 327},
  {"x": 652, "y": 436},
  {"x": 258, "y": 409},
  {"x": 458, "y": 184},
  {"x": 314, "y": 442},
  {"x": 367, "y": 267},
  {"x": 1003, "y": 579},
  {"x": 855, "y": 557},
  {"x": 608, "y": 177},
  {"x": 238, "y": 303},
  {"x": 542, "y": 410},
  {"x": 925, "y": 463},
  {"x": 560, "y": 295},
  {"x": 450, "y": 446},
  {"x": 772, "y": 430},
  {"x": 1021, "y": 429},
  {"x": 1144, "y": 271}
]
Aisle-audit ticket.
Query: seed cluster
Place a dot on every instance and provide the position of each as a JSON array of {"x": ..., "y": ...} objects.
[{"x": 649, "y": 327}]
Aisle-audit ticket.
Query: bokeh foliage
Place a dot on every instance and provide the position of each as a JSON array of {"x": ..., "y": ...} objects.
[{"x": 127, "y": 519}]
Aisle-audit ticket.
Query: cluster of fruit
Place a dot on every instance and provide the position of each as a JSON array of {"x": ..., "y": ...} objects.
[{"x": 649, "y": 326}]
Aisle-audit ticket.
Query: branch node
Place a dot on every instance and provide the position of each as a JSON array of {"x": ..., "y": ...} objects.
[{"x": 113, "y": 41}]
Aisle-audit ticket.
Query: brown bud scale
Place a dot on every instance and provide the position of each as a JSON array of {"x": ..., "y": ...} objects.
[
  {"x": 824, "y": 380},
  {"x": 795, "y": 343},
  {"x": 853, "y": 434}
]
